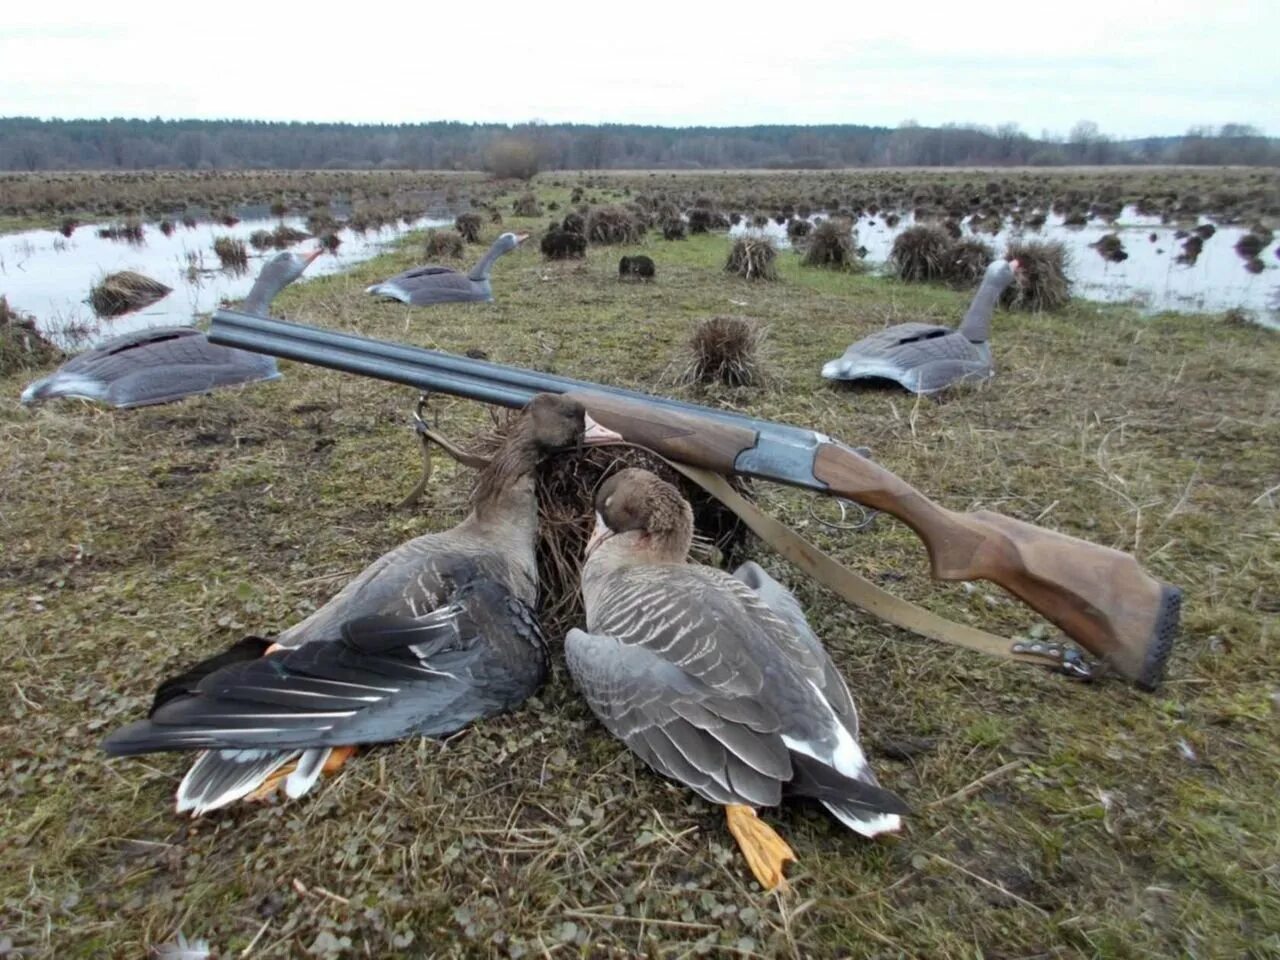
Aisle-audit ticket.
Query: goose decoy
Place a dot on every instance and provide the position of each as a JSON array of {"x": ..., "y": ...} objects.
[
  {"x": 431, "y": 636},
  {"x": 423, "y": 286},
  {"x": 925, "y": 358},
  {"x": 162, "y": 364},
  {"x": 715, "y": 681}
]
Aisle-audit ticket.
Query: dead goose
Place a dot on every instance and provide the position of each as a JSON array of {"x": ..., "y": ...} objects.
[
  {"x": 428, "y": 638},
  {"x": 424, "y": 286},
  {"x": 924, "y": 357},
  {"x": 162, "y": 364},
  {"x": 708, "y": 683}
]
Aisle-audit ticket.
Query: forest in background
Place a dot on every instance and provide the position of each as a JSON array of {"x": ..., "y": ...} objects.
[{"x": 30, "y": 144}]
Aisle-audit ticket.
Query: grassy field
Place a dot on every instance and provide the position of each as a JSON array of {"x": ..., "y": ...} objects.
[{"x": 1051, "y": 819}]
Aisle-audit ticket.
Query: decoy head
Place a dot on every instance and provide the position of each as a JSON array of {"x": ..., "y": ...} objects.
[
  {"x": 276, "y": 274},
  {"x": 638, "y": 502},
  {"x": 509, "y": 241}
]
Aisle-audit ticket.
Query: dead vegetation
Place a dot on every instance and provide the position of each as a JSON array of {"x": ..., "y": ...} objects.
[
  {"x": 726, "y": 350},
  {"x": 752, "y": 257},
  {"x": 123, "y": 292},
  {"x": 442, "y": 243},
  {"x": 469, "y": 226},
  {"x": 21, "y": 345},
  {"x": 831, "y": 245},
  {"x": 1042, "y": 282},
  {"x": 919, "y": 254},
  {"x": 231, "y": 253},
  {"x": 606, "y": 225}
]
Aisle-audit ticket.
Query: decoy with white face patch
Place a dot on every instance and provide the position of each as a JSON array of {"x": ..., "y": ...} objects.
[
  {"x": 715, "y": 681},
  {"x": 162, "y": 364},
  {"x": 924, "y": 357},
  {"x": 437, "y": 633},
  {"x": 424, "y": 286}
]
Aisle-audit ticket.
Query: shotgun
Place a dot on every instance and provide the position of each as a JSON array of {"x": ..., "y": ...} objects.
[{"x": 1099, "y": 597}]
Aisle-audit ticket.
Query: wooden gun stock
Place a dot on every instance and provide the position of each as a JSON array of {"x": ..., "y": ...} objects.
[{"x": 1101, "y": 598}]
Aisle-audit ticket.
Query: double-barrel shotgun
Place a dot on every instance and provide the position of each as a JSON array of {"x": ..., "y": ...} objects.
[{"x": 1099, "y": 597}]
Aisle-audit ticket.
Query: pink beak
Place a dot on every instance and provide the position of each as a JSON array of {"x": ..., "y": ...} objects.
[
  {"x": 313, "y": 255},
  {"x": 596, "y": 434},
  {"x": 598, "y": 536},
  {"x": 521, "y": 238},
  {"x": 1015, "y": 265}
]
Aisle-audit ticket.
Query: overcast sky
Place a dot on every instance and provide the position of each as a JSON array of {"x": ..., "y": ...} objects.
[{"x": 1133, "y": 66}]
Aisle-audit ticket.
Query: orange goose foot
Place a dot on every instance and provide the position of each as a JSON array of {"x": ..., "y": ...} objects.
[
  {"x": 337, "y": 757},
  {"x": 766, "y": 852}
]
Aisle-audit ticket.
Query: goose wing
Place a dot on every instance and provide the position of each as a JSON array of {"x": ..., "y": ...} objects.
[
  {"x": 681, "y": 720},
  {"x": 385, "y": 678}
]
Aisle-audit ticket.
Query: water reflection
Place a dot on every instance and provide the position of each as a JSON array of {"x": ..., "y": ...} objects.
[
  {"x": 1157, "y": 273},
  {"x": 49, "y": 276}
]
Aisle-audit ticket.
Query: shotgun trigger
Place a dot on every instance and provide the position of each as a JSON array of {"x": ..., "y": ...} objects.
[
  {"x": 1075, "y": 666},
  {"x": 1058, "y": 657},
  {"x": 419, "y": 421}
]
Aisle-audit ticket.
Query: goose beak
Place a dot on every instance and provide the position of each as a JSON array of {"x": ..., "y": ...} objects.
[
  {"x": 521, "y": 238},
  {"x": 1015, "y": 265},
  {"x": 597, "y": 434},
  {"x": 310, "y": 258},
  {"x": 598, "y": 536}
]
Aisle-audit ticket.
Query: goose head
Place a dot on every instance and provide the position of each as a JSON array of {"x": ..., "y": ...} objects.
[
  {"x": 276, "y": 274},
  {"x": 640, "y": 514}
]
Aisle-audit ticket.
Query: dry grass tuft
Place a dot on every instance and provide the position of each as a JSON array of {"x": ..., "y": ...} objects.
[
  {"x": 831, "y": 246},
  {"x": 726, "y": 350},
  {"x": 919, "y": 254},
  {"x": 231, "y": 252},
  {"x": 21, "y": 345},
  {"x": 613, "y": 225},
  {"x": 442, "y": 243},
  {"x": 119, "y": 293},
  {"x": 967, "y": 261},
  {"x": 469, "y": 226},
  {"x": 753, "y": 258},
  {"x": 131, "y": 231},
  {"x": 527, "y": 205},
  {"x": 1042, "y": 282}
]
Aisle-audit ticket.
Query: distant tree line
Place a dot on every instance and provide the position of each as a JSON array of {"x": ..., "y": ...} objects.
[{"x": 28, "y": 143}]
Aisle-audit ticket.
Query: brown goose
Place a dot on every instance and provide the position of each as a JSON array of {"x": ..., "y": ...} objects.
[
  {"x": 430, "y": 637},
  {"x": 715, "y": 681},
  {"x": 924, "y": 357},
  {"x": 424, "y": 286}
]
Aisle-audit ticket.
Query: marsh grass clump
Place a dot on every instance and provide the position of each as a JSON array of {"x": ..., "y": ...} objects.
[
  {"x": 798, "y": 229},
  {"x": 68, "y": 226},
  {"x": 1251, "y": 244},
  {"x": 130, "y": 231},
  {"x": 122, "y": 292},
  {"x": 613, "y": 225},
  {"x": 753, "y": 258},
  {"x": 831, "y": 246},
  {"x": 566, "y": 487},
  {"x": 527, "y": 205},
  {"x": 330, "y": 242},
  {"x": 22, "y": 347},
  {"x": 1111, "y": 248},
  {"x": 260, "y": 240},
  {"x": 443, "y": 243},
  {"x": 967, "y": 261},
  {"x": 231, "y": 252},
  {"x": 726, "y": 350},
  {"x": 283, "y": 236},
  {"x": 919, "y": 254},
  {"x": 166, "y": 227},
  {"x": 279, "y": 208},
  {"x": 673, "y": 229},
  {"x": 1192, "y": 247},
  {"x": 1042, "y": 282},
  {"x": 469, "y": 226}
]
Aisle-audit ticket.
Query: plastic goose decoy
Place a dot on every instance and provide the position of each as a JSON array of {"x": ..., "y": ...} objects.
[
  {"x": 715, "y": 681},
  {"x": 925, "y": 358},
  {"x": 430, "y": 637},
  {"x": 424, "y": 286},
  {"x": 162, "y": 364}
]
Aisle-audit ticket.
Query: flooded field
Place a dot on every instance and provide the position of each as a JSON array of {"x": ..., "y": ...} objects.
[
  {"x": 49, "y": 276},
  {"x": 1151, "y": 276}
]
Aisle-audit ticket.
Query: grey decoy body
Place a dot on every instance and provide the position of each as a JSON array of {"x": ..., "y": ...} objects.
[
  {"x": 424, "y": 286},
  {"x": 431, "y": 636},
  {"x": 926, "y": 358},
  {"x": 715, "y": 681},
  {"x": 162, "y": 364}
]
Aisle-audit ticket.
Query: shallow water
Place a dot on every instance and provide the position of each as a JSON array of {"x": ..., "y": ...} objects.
[
  {"x": 48, "y": 276},
  {"x": 1150, "y": 278}
]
